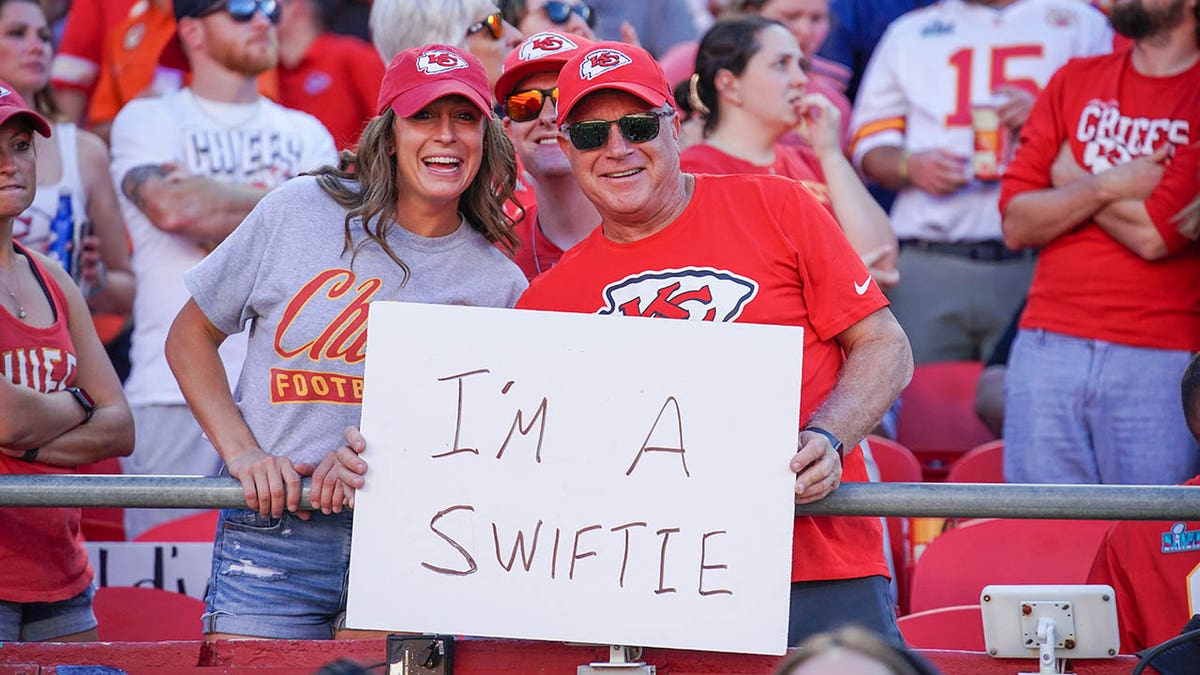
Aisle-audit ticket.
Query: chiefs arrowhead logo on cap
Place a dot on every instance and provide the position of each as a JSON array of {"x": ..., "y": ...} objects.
[
  {"x": 436, "y": 61},
  {"x": 544, "y": 44},
  {"x": 601, "y": 61},
  {"x": 4, "y": 92}
]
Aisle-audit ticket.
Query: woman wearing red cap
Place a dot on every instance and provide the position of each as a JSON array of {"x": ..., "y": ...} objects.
[
  {"x": 62, "y": 406},
  {"x": 414, "y": 215},
  {"x": 72, "y": 166}
]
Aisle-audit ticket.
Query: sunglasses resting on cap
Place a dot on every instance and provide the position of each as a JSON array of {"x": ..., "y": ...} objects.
[
  {"x": 240, "y": 11},
  {"x": 635, "y": 127}
]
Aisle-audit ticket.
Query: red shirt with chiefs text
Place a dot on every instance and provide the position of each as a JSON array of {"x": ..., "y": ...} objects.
[
  {"x": 41, "y": 550},
  {"x": 751, "y": 249},
  {"x": 1086, "y": 284}
]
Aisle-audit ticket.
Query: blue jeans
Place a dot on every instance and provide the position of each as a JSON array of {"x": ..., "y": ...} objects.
[
  {"x": 1088, "y": 411},
  {"x": 39, "y": 621},
  {"x": 282, "y": 578}
]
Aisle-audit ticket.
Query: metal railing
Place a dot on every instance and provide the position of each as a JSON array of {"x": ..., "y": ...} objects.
[{"x": 945, "y": 500}]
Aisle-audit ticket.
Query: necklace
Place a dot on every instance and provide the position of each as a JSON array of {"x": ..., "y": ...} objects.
[{"x": 20, "y": 308}]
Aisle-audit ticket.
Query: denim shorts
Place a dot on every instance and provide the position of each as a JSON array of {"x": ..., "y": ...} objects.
[
  {"x": 38, "y": 621},
  {"x": 282, "y": 578}
]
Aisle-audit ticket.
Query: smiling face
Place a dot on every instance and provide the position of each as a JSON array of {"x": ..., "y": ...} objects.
[
  {"x": 438, "y": 152},
  {"x": 18, "y": 167},
  {"x": 772, "y": 83},
  {"x": 536, "y": 141},
  {"x": 25, "y": 48},
  {"x": 630, "y": 183},
  {"x": 808, "y": 20}
]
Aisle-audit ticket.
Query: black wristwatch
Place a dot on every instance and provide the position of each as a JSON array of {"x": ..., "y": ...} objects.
[
  {"x": 89, "y": 406},
  {"x": 837, "y": 445}
]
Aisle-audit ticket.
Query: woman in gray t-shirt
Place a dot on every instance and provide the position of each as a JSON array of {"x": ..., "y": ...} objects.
[{"x": 415, "y": 214}]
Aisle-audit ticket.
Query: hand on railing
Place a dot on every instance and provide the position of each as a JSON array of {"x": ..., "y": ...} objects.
[{"x": 339, "y": 474}]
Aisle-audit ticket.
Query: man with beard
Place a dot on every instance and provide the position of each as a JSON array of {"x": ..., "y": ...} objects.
[
  {"x": 1108, "y": 158},
  {"x": 562, "y": 215},
  {"x": 189, "y": 166},
  {"x": 935, "y": 70}
]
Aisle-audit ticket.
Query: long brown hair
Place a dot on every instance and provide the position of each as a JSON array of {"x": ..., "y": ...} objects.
[{"x": 365, "y": 185}]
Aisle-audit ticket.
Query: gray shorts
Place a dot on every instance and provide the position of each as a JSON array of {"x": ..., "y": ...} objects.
[{"x": 39, "y": 621}]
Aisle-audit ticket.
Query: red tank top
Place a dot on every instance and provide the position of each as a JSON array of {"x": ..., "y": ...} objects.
[{"x": 41, "y": 549}]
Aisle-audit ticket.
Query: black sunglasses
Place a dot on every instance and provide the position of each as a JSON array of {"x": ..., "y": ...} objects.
[
  {"x": 523, "y": 106},
  {"x": 492, "y": 22},
  {"x": 242, "y": 11},
  {"x": 635, "y": 127},
  {"x": 560, "y": 12}
]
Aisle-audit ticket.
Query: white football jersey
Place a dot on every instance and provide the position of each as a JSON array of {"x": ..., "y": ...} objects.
[{"x": 934, "y": 64}]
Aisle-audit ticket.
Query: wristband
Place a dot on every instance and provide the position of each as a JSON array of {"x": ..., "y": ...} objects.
[
  {"x": 837, "y": 445},
  {"x": 30, "y": 455}
]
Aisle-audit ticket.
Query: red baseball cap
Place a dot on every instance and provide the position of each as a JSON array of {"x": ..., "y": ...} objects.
[
  {"x": 11, "y": 105},
  {"x": 611, "y": 65},
  {"x": 420, "y": 75},
  {"x": 540, "y": 53}
]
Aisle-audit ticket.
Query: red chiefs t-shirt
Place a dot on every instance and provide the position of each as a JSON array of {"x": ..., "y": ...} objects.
[
  {"x": 791, "y": 161},
  {"x": 41, "y": 549},
  {"x": 1086, "y": 284},
  {"x": 537, "y": 253},
  {"x": 337, "y": 82},
  {"x": 751, "y": 249},
  {"x": 1154, "y": 567}
]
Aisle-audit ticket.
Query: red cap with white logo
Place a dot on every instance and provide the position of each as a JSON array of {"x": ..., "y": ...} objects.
[
  {"x": 421, "y": 75},
  {"x": 12, "y": 105},
  {"x": 611, "y": 65},
  {"x": 540, "y": 53}
]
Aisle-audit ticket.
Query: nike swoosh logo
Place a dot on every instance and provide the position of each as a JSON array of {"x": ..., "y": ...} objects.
[{"x": 862, "y": 288}]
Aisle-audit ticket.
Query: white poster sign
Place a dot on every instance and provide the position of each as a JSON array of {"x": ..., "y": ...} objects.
[{"x": 573, "y": 477}]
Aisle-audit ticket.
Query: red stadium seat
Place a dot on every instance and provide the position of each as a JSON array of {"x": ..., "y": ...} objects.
[
  {"x": 105, "y": 523},
  {"x": 937, "y": 415},
  {"x": 959, "y": 627},
  {"x": 957, "y": 565},
  {"x": 897, "y": 465},
  {"x": 982, "y": 464},
  {"x": 134, "y": 614},
  {"x": 195, "y": 527}
]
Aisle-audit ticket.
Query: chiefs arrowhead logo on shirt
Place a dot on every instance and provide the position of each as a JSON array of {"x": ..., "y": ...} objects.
[
  {"x": 602, "y": 61},
  {"x": 435, "y": 61},
  {"x": 696, "y": 293},
  {"x": 544, "y": 44}
]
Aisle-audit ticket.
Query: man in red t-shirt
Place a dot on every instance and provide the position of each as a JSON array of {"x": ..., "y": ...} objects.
[
  {"x": 1154, "y": 567},
  {"x": 1109, "y": 156},
  {"x": 756, "y": 249},
  {"x": 332, "y": 77},
  {"x": 561, "y": 216}
]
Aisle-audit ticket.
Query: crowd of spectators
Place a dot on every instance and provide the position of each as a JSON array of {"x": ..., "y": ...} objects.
[{"x": 991, "y": 166}]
